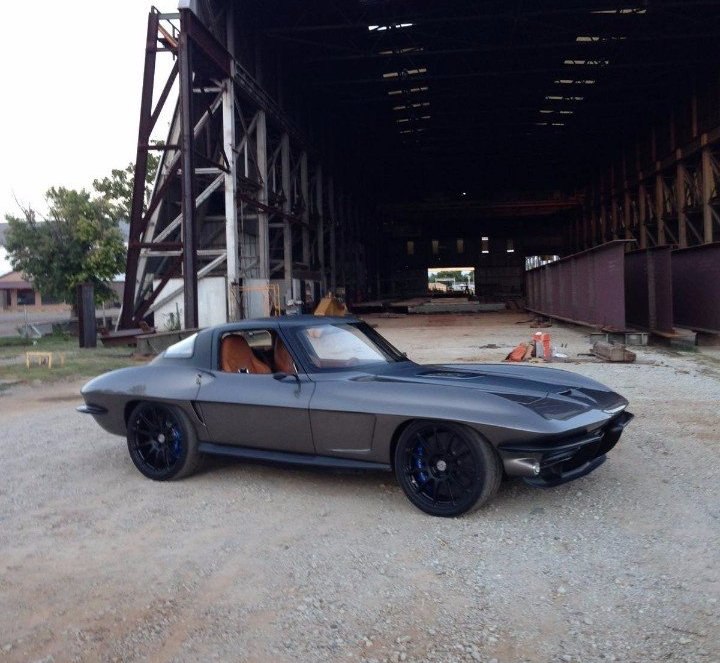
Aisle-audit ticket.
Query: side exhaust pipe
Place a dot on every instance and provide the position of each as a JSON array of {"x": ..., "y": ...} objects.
[{"x": 521, "y": 467}]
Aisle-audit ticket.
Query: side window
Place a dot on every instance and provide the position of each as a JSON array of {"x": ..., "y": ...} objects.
[
  {"x": 247, "y": 351},
  {"x": 255, "y": 352}
]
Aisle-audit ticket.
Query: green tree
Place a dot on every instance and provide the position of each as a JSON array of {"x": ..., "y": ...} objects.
[
  {"x": 117, "y": 188},
  {"x": 79, "y": 241}
]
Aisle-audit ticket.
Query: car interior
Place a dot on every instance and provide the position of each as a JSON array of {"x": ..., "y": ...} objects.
[{"x": 255, "y": 352}]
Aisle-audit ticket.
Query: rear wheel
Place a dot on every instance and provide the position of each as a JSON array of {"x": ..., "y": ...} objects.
[
  {"x": 162, "y": 441},
  {"x": 446, "y": 469}
]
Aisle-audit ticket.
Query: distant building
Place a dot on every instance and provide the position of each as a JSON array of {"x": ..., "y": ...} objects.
[{"x": 16, "y": 291}]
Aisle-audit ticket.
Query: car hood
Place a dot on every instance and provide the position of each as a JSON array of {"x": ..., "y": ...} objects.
[{"x": 551, "y": 392}]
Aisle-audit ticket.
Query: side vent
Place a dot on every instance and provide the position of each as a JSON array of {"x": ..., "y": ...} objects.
[{"x": 198, "y": 412}]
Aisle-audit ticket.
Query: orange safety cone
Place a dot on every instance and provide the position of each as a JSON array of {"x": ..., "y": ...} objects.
[{"x": 547, "y": 350}]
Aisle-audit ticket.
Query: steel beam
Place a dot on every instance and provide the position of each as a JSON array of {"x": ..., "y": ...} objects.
[
  {"x": 320, "y": 226},
  {"x": 286, "y": 206},
  {"x": 660, "y": 207},
  {"x": 138, "y": 196},
  {"x": 231, "y": 201},
  {"x": 333, "y": 223},
  {"x": 649, "y": 290},
  {"x": 680, "y": 202},
  {"x": 305, "y": 192},
  {"x": 708, "y": 187},
  {"x": 695, "y": 273},
  {"x": 189, "y": 226},
  {"x": 262, "y": 166},
  {"x": 585, "y": 288},
  {"x": 642, "y": 215}
]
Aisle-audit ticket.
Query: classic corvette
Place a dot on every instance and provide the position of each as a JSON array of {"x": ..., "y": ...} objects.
[{"x": 333, "y": 392}]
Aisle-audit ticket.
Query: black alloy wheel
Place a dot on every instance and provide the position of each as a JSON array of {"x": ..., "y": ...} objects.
[
  {"x": 162, "y": 441},
  {"x": 446, "y": 469}
]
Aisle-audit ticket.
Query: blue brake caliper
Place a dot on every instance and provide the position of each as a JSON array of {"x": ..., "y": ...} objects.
[
  {"x": 417, "y": 461},
  {"x": 176, "y": 439}
]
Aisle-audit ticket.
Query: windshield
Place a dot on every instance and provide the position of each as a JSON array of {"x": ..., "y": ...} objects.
[{"x": 344, "y": 345}]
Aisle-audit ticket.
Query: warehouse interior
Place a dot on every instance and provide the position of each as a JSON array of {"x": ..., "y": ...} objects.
[{"x": 351, "y": 145}]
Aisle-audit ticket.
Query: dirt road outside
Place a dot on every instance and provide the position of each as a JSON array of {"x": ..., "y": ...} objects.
[{"x": 247, "y": 562}]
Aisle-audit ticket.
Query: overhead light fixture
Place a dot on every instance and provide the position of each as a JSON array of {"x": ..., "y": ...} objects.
[
  {"x": 419, "y": 104},
  {"x": 402, "y": 51},
  {"x": 410, "y": 90},
  {"x": 404, "y": 72},
  {"x": 587, "y": 63},
  {"x": 558, "y": 97},
  {"x": 572, "y": 81},
  {"x": 624, "y": 10},
  {"x": 595, "y": 38},
  {"x": 382, "y": 28}
]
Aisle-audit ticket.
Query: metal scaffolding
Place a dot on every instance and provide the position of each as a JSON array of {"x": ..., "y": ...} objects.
[
  {"x": 658, "y": 198},
  {"x": 238, "y": 192},
  {"x": 303, "y": 140}
]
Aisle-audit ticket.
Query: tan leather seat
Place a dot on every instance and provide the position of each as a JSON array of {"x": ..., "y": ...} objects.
[
  {"x": 237, "y": 357},
  {"x": 281, "y": 358}
]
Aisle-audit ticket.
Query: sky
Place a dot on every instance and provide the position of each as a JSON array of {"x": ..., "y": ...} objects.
[{"x": 72, "y": 77}]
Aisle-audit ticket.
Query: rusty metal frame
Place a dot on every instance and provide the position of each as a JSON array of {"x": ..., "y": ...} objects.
[
  {"x": 586, "y": 288},
  {"x": 266, "y": 185},
  {"x": 649, "y": 289},
  {"x": 695, "y": 275}
]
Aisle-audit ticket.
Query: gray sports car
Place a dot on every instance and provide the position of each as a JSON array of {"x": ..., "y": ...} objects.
[{"x": 333, "y": 392}]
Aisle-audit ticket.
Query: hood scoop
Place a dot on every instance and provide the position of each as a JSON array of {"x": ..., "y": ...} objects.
[{"x": 455, "y": 375}]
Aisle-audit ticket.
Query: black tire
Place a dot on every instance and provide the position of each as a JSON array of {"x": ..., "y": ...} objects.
[
  {"x": 162, "y": 441},
  {"x": 446, "y": 469}
]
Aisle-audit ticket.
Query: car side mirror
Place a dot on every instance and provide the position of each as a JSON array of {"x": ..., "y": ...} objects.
[{"x": 281, "y": 376}]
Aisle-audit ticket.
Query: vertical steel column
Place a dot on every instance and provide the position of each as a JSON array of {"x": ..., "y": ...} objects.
[
  {"x": 306, "y": 209},
  {"x": 231, "y": 216},
  {"x": 342, "y": 227},
  {"x": 680, "y": 201},
  {"x": 708, "y": 185},
  {"x": 138, "y": 199},
  {"x": 320, "y": 227},
  {"x": 189, "y": 228},
  {"x": 627, "y": 203},
  {"x": 593, "y": 217},
  {"x": 627, "y": 213},
  {"x": 287, "y": 229},
  {"x": 357, "y": 217},
  {"x": 231, "y": 201},
  {"x": 642, "y": 215},
  {"x": 262, "y": 165},
  {"x": 333, "y": 223},
  {"x": 613, "y": 204},
  {"x": 660, "y": 205}
]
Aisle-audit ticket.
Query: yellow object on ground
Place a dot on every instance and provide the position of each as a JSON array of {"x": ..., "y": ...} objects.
[
  {"x": 43, "y": 358},
  {"x": 330, "y": 305}
]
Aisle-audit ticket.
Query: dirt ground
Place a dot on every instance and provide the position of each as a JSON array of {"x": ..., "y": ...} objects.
[{"x": 248, "y": 562}]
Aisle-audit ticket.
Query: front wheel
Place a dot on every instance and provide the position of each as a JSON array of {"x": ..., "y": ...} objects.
[
  {"x": 446, "y": 469},
  {"x": 162, "y": 441}
]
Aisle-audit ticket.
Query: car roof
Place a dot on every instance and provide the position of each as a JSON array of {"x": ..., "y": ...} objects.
[{"x": 283, "y": 322}]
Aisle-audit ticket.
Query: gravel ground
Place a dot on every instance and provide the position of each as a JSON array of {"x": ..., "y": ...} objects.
[{"x": 247, "y": 562}]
